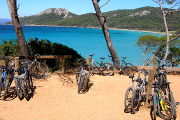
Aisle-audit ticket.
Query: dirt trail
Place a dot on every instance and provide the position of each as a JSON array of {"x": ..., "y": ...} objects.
[{"x": 104, "y": 101}]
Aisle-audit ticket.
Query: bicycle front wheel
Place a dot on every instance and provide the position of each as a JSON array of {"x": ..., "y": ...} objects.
[
  {"x": 80, "y": 83},
  {"x": 127, "y": 100},
  {"x": 108, "y": 69},
  {"x": 19, "y": 91},
  {"x": 153, "y": 110},
  {"x": 135, "y": 101}
]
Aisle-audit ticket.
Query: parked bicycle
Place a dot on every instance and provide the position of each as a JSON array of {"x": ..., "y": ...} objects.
[
  {"x": 23, "y": 82},
  {"x": 103, "y": 68},
  {"x": 160, "y": 106},
  {"x": 124, "y": 67},
  {"x": 164, "y": 85},
  {"x": 82, "y": 79},
  {"x": 135, "y": 94},
  {"x": 6, "y": 79},
  {"x": 139, "y": 94},
  {"x": 38, "y": 69}
]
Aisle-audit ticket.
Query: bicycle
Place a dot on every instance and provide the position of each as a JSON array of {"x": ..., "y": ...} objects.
[
  {"x": 38, "y": 69},
  {"x": 128, "y": 95},
  {"x": 124, "y": 67},
  {"x": 160, "y": 106},
  {"x": 23, "y": 82},
  {"x": 139, "y": 95},
  {"x": 105, "y": 69},
  {"x": 6, "y": 79},
  {"x": 161, "y": 77},
  {"x": 82, "y": 79}
]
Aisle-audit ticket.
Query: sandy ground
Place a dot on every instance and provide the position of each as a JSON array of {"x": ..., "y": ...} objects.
[{"x": 55, "y": 101}]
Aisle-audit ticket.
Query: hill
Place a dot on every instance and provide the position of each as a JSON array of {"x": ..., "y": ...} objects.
[
  {"x": 2, "y": 21},
  {"x": 145, "y": 18},
  {"x": 47, "y": 17}
]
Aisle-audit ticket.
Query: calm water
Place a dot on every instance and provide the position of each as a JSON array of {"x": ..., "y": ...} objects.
[{"x": 84, "y": 40}]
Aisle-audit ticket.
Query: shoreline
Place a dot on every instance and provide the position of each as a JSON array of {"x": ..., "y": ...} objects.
[{"x": 94, "y": 27}]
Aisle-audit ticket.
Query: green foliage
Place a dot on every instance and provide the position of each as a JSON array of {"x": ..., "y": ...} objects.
[
  {"x": 45, "y": 47},
  {"x": 9, "y": 48},
  {"x": 157, "y": 45},
  {"x": 118, "y": 19},
  {"x": 42, "y": 47}
]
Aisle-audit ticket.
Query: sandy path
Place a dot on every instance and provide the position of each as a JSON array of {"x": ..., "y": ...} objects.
[{"x": 104, "y": 101}]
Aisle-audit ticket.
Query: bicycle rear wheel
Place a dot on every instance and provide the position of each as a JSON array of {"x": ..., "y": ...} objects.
[
  {"x": 128, "y": 69},
  {"x": 108, "y": 69},
  {"x": 166, "y": 110},
  {"x": 38, "y": 70}
]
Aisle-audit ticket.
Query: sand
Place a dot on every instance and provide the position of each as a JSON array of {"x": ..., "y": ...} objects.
[{"x": 54, "y": 100}]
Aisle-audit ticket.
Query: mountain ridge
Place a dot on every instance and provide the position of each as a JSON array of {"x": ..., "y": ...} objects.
[{"x": 144, "y": 18}]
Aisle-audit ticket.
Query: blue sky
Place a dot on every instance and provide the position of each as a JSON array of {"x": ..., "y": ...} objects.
[{"x": 32, "y": 7}]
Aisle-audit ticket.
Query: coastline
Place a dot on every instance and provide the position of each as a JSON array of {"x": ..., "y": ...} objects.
[{"x": 94, "y": 27}]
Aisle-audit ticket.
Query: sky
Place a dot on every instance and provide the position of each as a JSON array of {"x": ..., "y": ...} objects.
[{"x": 32, "y": 7}]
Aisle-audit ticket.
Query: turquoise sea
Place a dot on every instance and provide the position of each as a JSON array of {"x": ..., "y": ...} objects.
[{"x": 85, "y": 40}]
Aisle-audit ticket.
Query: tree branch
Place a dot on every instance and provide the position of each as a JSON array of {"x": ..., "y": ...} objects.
[
  {"x": 105, "y": 3},
  {"x": 175, "y": 38},
  {"x": 175, "y": 5}
]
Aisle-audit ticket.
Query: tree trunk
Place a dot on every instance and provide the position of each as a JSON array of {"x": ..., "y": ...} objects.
[
  {"x": 12, "y": 5},
  {"x": 102, "y": 20},
  {"x": 167, "y": 32}
]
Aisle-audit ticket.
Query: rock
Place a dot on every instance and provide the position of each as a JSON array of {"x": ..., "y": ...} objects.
[
  {"x": 57, "y": 11},
  {"x": 142, "y": 13}
]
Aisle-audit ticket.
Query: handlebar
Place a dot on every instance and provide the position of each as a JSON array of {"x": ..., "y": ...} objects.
[{"x": 91, "y": 55}]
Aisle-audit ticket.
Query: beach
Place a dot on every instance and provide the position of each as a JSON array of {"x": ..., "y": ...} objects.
[{"x": 57, "y": 99}]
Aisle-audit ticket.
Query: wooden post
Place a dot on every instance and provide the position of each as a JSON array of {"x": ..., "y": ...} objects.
[
  {"x": 16, "y": 60},
  {"x": 88, "y": 62},
  {"x": 62, "y": 64},
  {"x": 149, "y": 87},
  {"x": 150, "y": 81},
  {"x": 154, "y": 64}
]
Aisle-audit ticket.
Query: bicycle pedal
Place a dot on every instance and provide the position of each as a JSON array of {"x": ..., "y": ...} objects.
[{"x": 177, "y": 103}]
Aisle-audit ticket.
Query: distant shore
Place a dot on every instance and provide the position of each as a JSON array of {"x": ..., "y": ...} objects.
[{"x": 94, "y": 27}]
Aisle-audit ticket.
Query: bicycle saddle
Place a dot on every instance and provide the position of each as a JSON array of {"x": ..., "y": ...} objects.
[
  {"x": 131, "y": 75},
  {"x": 91, "y": 55},
  {"x": 102, "y": 58},
  {"x": 124, "y": 57}
]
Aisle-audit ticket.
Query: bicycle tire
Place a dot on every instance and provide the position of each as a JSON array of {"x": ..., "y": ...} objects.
[
  {"x": 44, "y": 69},
  {"x": 153, "y": 110},
  {"x": 80, "y": 83},
  {"x": 24, "y": 88},
  {"x": 168, "y": 113},
  {"x": 85, "y": 84},
  {"x": 127, "y": 69},
  {"x": 31, "y": 85},
  {"x": 38, "y": 70},
  {"x": 18, "y": 87},
  {"x": 127, "y": 100},
  {"x": 6, "y": 87},
  {"x": 135, "y": 101},
  {"x": 1, "y": 85},
  {"x": 108, "y": 69},
  {"x": 172, "y": 100}
]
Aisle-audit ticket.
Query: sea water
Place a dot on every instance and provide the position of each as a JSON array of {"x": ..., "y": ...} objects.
[{"x": 85, "y": 41}]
